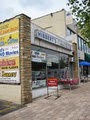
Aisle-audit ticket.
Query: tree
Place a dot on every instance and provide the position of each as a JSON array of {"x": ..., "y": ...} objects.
[{"x": 81, "y": 10}]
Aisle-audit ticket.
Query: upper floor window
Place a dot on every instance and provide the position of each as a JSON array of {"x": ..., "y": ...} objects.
[
  {"x": 79, "y": 43},
  {"x": 69, "y": 32},
  {"x": 82, "y": 45}
]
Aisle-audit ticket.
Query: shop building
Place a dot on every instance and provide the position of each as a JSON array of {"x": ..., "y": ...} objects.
[
  {"x": 62, "y": 24},
  {"x": 29, "y": 55},
  {"x": 52, "y": 56},
  {"x": 15, "y": 60}
]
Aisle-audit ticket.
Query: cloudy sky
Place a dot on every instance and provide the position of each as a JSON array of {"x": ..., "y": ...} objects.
[{"x": 32, "y": 8}]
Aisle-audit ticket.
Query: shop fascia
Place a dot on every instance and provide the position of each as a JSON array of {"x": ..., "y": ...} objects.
[{"x": 52, "y": 39}]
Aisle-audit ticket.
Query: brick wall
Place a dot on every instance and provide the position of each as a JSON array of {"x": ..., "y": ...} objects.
[
  {"x": 76, "y": 71},
  {"x": 25, "y": 59}
]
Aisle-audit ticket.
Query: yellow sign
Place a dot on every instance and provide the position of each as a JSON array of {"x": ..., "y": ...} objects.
[
  {"x": 9, "y": 51},
  {"x": 9, "y": 74},
  {"x": 9, "y": 39},
  {"x": 9, "y": 26},
  {"x": 9, "y": 63}
]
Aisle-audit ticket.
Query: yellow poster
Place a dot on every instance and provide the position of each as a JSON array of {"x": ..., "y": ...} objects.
[
  {"x": 9, "y": 26},
  {"x": 9, "y": 39},
  {"x": 9, "y": 63},
  {"x": 9, "y": 51}
]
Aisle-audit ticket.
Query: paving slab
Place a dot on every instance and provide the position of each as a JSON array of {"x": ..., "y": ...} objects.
[
  {"x": 73, "y": 104},
  {"x": 7, "y": 107}
]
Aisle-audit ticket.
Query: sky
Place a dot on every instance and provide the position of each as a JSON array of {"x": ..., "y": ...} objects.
[{"x": 32, "y": 8}]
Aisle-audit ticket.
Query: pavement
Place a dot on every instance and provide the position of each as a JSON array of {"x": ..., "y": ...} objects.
[
  {"x": 7, "y": 107},
  {"x": 73, "y": 104}
]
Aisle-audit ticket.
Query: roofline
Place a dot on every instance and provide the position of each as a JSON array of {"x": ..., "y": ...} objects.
[
  {"x": 48, "y": 14},
  {"x": 14, "y": 17}
]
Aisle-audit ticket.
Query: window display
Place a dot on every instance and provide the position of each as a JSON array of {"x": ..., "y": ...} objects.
[
  {"x": 64, "y": 69},
  {"x": 47, "y": 63},
  {"x": 38, "y": 79},
  {"x": 52, "y": 66},
  {"x": 38, "y": 69}
]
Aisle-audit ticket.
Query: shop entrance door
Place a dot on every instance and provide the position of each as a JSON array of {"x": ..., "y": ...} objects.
[{"x": 52, "y": 74}]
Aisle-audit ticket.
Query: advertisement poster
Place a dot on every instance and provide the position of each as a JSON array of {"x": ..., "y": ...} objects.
[
  {"x": 9, "y": 52},
  {"x": 38, "y": 56}
]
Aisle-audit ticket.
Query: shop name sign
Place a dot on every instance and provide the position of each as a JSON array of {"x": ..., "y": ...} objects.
[{"x": 52, "y": 39}]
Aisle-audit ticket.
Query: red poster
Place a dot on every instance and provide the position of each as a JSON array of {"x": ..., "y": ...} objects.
[{"x": 52, "y": 82}]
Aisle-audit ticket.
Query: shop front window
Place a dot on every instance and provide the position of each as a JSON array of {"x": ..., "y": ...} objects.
[
  {"x": 48, "y": 63},
  {"x": 52, "y": 66},
  {"x": 64, "y": 69},
  {"x": 38, "y": 69}
]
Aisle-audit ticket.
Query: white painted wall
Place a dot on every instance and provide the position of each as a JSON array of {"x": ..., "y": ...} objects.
[
  {"x": 43, "y": 91},
  {"x": 10, "y": 93},
  {"x": 53, "y": 22}
]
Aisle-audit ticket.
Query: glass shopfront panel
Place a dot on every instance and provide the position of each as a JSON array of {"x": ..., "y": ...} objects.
[
  {"x": 38, "y": 69},
  {"x": 47, "y": 63},
  {"x": 52, "y": 66},
  {"x": 64, "y": 69}
]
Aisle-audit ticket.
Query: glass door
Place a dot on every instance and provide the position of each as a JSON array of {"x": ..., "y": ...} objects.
[{"x": 52, "y": 66}]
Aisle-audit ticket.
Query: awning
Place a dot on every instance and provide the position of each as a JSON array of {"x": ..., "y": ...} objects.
[
  {"x": 87, "y": 57},
  {"x": 84, "y": 63}
]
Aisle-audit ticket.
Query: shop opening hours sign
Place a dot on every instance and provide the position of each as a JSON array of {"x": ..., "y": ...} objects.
[{"x": 51, "y": 82}]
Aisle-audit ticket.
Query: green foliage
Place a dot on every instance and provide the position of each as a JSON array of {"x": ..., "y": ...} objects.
[{"x": 81, "y": 9}]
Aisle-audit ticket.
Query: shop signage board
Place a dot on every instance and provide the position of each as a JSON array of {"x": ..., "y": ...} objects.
[
  {"x": 9, "y": 52},
  {"x": 53, "y": 39},
  {"x": 52, "y": 82}
]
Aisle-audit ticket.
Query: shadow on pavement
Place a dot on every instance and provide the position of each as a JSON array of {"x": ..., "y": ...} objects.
[{"x": 7, "y": 107}]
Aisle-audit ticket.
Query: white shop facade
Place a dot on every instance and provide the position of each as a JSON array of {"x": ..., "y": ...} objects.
[{"x": 52, "y": 56}]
